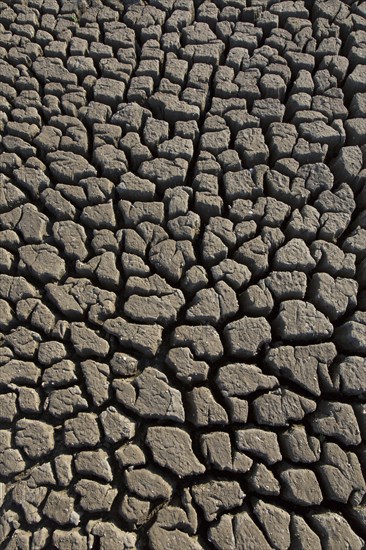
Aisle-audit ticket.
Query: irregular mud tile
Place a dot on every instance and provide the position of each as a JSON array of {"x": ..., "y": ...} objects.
[
  {"x": 216, "y": 448},
  {"x": 336, "y": 420},
  {"x": 238, "y": 409},
  {"x": 117, "y": 427},
  {"x": 79, "y": 296},
  {"x": 29, "y": 499},
  {"x": 240, "y": 530},
  {"x": 341, "y": 475},
  {"x": 66, "y": 402},
  {"x": 37, "y": 314},
  {"x": 281, "y": 406},
  {"x": 186, "y": 368},
  {"x": 150, "y": 234},
  {"x": 111, "y": 162},
  {"x": 294, "y": 256},
  {"x": 134, "y": 511},
  {"x": 304, "y": 223},
  {"x": 347, "y": 165},
  {"x": 11, "y": 460},
  {"x": 341, "y": 200},
  {"x": 302, "y": 535},
  {"x": 258, "y": 442},
  {"x": 251, "y": 146},
  {"x": 94, "y": 496},
  {"x": 275, "y": 522},
  {"x": 171, "y": 258},
  {"x": 177, "y": 201},
  {"x": 132, "y": 188},
  {"x": 298, "y": 446},
  {"x": 109, "y": 535},
  {"x": 21, "y": 539},
  {"x": 150, "y": 309},
  {"x": 332, "y": 260},
  {"x": 213, "y": 250},
  {"x": 164, "y": 173},
  {"x": 57, "y": 205},
  {"x": 42, "y": 475},
  {"x": 205, "y": 308},
  {"x": 143, "y": 338},
  {"x": 333, "y": 225},
  {"x": 262, "y": 481},
  {"x": 300, "y": 486},
  {"x": 349, "y": 375},
  {"x": 8, "y": 406},
  {"x": 34, "y": 437},
  {"x": 100, "y": 216},
  {"x": 333, "y": 529},
  {"x": 222, "y": 534},
  {"x": 194, "y": 279},
  {"x": 240, "y": 185},
  {"x": 352, "y": 335},
  {"x": 268, "y": 110},
  {"x": 228, "y": 302},
  {"x": 42, "y": 261},
  {"x": 246, "y": 336},
  {"x": 172, "y": 448},
  {"x": 214, "y": 497},
  {"x": 94, "y": 463},
  {"x": 241, "y": 380},
  {"x": 185, "y": 227},
  {"x": 177, "y": 147},
  {"x": 160, "y": 538},
  {"x": 354, "y": 242},
  {"x": 59, "y": 507},
  {"x": 254, "y": 255},
  {"x": 61, "y": 373},
  {"x": 33, "y": 224},
  {"x": 96, "y": 379},
  {"x": 6, "y": 262},
  {"x": 155, "y": 131},
  {"x": 149, "y": 286},
  {"x": 123, "y": 364},
  {"x": 130, "y": 455},
  {"x": 40, "y": 538},
  {"x": 133, "y": 265},
  {"x": 51, "y": 352},
  {"x": 7, "y": 316},
  {"x": 257, "y": 300},
  {"x": 146, "y": 484},
  {"x": 299, "y": 321},
  {"x": 203, "y": 409},
  {"x": 72, "y": 238},
  {"x": 86, "y": 342},
  {"x": 65, "y": 166},
  {"x": 287, "y": 285},
  {"x": 233, "y": 273},
  {"x": 16, "y": 288},
  {"x": 82, "y": 431},
  {"x": 204, "y": 341},
  {"x": 150, "y": 396},
  {"x": 69, "y": 539},
  {"x": 23, "y": 342},
  {"x": 302, "y": 364},
  {"x": 19, "y": 372},
  {"x": 63, "y": 469},
  {"x": 182, "y": 516}
]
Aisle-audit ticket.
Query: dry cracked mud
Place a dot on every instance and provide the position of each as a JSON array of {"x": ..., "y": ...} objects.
[{"x": 182, "y": 274}]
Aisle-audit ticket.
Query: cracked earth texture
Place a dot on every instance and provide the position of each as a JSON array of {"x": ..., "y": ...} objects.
[{"x": 182, "y": 274}]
